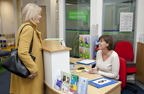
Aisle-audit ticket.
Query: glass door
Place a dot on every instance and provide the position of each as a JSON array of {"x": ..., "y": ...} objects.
[
  {"x": 77, "y": 23},
  {"x": 119, "y": 19}
]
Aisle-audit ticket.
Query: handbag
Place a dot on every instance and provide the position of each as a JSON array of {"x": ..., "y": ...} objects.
[{"x": 14, "y": 64}]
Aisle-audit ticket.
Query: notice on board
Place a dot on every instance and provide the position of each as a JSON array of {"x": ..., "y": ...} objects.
[{"x": 126, "y": 22}]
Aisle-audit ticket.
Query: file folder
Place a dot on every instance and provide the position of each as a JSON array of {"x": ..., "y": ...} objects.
[{"x": 102, "y": 82}]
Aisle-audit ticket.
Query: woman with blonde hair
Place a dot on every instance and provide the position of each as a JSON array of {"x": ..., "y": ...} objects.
[{"x": 27, "y": 34}]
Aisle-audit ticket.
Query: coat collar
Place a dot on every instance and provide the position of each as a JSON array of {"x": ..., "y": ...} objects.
[
  {"x": 39, "y": 35},
  {"x": 34, "y": 25}
]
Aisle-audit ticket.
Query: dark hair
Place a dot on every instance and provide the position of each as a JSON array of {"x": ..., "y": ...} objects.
[{"x": 108, "y": 39}]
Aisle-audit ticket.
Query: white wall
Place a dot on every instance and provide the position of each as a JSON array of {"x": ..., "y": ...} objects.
[
  {"x": 7, "y": 15},
  {"x": 0, "y": 25},
  {"x": 62, "y": 27},
  {"x": 139, "y": 22},
  {"x": 96, "y": 17}
]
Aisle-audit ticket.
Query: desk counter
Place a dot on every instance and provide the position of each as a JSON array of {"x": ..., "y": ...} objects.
[
  {"x": 54, "y": 46},
  {"x": 111, "y": 89}
]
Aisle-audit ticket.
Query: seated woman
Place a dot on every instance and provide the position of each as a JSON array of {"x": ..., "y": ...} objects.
[{"x": 107, "y": 60}]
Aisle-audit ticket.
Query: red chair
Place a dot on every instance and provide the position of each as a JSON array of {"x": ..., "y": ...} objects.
[
  {"x": 122, "y": 72},
  {"x": 125, "y": 50}
]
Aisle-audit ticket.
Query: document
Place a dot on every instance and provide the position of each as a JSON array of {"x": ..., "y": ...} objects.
[
  {"x": 74, "y": 83},
  {"x": 66, "y": 77},
  {"x": 82, "y": 85},
  {"x": 102, "y": 82}
]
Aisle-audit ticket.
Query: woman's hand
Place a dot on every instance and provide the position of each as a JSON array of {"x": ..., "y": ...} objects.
[
  {"x": 92, "y": 70},
  {"x": 32, "y": 75}
]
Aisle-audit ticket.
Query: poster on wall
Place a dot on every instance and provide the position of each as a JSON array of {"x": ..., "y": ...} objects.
[{"x": 126, "y": 22}]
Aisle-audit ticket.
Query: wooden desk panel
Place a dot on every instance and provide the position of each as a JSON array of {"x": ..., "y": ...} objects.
[{"x": 140, "y": 62}]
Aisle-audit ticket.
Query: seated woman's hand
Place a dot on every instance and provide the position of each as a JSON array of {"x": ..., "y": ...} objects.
[{"x": 92, "y": 70}]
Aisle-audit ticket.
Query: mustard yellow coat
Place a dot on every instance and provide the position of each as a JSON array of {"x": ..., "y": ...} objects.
[{"x": 21, "y": 85}]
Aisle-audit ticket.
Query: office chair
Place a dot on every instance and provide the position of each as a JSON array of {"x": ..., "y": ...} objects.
[
  {"x": 122, "y": 72},
  {"x": 125, "y": 50}
]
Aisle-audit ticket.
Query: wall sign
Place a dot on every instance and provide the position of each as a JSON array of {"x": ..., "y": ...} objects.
[
  {"x": 79, "y": 15},
  {"x": 126, "y": 21}
]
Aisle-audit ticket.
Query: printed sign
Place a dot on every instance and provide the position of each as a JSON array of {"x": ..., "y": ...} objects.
[
  {"x": 79, "y": 15},
  {"x": 126, "y": 21}
]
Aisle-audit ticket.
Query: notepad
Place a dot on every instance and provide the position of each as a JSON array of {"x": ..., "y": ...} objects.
[
  {"x": 86, "y": 62},
  {"x": 102, "y": 82}
]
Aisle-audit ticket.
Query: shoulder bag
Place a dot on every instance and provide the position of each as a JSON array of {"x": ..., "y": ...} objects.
[{"x": 14, "y": 64}]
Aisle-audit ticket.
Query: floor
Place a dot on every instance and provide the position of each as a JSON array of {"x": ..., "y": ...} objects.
[
  {"x": 137, "y": 83},
  {"x": 131, "y": 79}
]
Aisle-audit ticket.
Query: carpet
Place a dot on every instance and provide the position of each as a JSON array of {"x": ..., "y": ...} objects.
[
  {"x": 4, "y": 82},
  {"x": 1, "y": 68},
  {"x": 130, "y": 91}
]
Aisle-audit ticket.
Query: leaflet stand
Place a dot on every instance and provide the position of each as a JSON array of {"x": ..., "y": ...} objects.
[{"x": 56, "y": 59}]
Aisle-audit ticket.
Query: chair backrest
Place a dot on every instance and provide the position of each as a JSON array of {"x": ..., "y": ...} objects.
[
  {"x": 125, "y": 50},
  {"x": 122, "y": 72}
]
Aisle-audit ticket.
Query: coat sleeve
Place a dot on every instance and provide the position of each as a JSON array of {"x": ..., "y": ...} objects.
[{"x": 23, "y": 48}]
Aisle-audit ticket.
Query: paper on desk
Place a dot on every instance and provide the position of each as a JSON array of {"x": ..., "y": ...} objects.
[
  {"x": 102, "y": 81},
  {"x": 79, "y": 70},
  {"x": 86, "y": 62}
]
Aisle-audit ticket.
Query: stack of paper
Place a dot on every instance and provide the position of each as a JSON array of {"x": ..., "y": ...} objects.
[{"x": 87, "y": 62}]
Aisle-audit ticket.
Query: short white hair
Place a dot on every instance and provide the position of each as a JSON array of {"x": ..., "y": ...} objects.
[{"x": 30, "y": 12}]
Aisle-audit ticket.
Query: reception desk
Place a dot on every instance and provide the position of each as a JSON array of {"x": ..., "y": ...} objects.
[
  {"x": 56, "y": 59},
  {"x": 111, "y": 89}
]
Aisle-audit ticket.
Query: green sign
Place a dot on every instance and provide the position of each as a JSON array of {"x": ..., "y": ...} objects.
[{"x": 79, "y": 15}]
